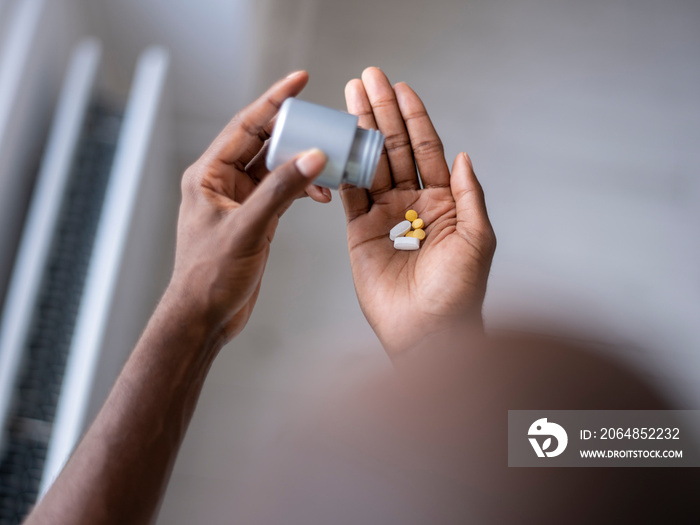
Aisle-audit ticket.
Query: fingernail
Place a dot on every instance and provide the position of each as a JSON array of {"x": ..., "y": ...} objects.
[
  {"x": 327, "y": 193},
  {"x": 295, "y": 74},
  {"x": 466, "y": 157},
  {"x": 311, "y": 162}
]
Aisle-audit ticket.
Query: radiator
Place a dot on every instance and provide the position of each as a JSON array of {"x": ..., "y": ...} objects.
[{"x": 88, "y": 269}]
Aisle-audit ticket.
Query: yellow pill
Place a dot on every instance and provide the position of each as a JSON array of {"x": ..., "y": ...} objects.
[
  {"x": 418, "y": 233},
  {"x": 409, "y": 234},
  {"x": 417, "y": 224},
  {"x": 411, "y": 215}
]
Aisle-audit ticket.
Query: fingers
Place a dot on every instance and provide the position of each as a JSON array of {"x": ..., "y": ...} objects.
[
  {"x": 472, "y": 219},
  {"x": 425, "y": 142},
  {"x": 246, "y": 133},
  {"x": 356, "y": 200},
  {"x": 358, "y": 104},
  {"x": 318, "y": 193},
  {"x": 390, "y": 122},
  {"x": 277, "y": 191}
]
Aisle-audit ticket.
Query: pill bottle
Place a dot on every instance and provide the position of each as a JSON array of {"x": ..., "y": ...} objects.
[{"x": 352, "y": 152}]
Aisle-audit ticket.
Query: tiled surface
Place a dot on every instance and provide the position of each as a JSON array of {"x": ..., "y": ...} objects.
[{"x": 583, "y": 122}]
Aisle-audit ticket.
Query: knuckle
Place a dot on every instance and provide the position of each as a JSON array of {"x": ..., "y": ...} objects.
[
  {"x": 419, "y": 114},
  {"x": 274, "y": 101},
  {"x": 261, "y": 131},
  {"x": 379, "y": 189},
  {"x": 429, "y": 149},
  {"x": 366, "y": 116},
  {"x": 242, "y": 121},
  {"x": 396, "y": 141},
  {"x": 476, "y": 191},
  {"x": 384, "y": 102}
]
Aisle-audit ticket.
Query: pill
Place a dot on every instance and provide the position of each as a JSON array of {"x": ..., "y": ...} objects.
[
  {"x": 399, "y": 230},
  {"x": 417, "y": 224},
  {"x": 406, "y": 243},
  {"x": 418, "y": 234},
  {"x": 411, "y": 215}
]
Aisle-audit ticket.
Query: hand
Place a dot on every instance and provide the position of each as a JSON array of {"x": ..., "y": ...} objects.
[
  {"x": 406, "y": 295},
  {"x": 229, "y": 213}
]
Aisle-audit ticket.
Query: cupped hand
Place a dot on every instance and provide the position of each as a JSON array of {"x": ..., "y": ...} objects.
[
  {"x": 230, "y": 209},
  {"x": 407, "y": 295}
]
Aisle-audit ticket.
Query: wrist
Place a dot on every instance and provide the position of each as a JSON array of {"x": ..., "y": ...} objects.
[{"x": 190, "y": 320}]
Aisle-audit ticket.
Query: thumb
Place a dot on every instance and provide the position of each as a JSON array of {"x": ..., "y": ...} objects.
[
  {"x": 280, "y": 187},
  {"x": 469, "y": 199}
]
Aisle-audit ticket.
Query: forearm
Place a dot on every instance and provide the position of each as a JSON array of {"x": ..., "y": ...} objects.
[
  {"x": 227, "y": 218},
  {"x": 119, "y": 471}
]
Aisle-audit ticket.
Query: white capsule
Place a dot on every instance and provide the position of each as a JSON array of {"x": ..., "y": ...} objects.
[
  {"x": 406, "y": 243},
  {"x": 399, "y": 230}
]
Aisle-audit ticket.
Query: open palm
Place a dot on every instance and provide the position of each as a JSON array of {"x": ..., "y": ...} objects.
[{"x": 407, "y": 294}]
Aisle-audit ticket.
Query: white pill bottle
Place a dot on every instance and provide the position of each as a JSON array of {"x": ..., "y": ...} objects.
[{"x": 353, "y": 153}]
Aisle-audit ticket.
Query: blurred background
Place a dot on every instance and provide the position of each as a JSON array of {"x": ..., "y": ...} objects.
[{"x": 582, "y": 120}]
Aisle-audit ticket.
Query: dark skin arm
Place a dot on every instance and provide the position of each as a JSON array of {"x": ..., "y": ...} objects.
[{"x": 120, "y": 469}]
